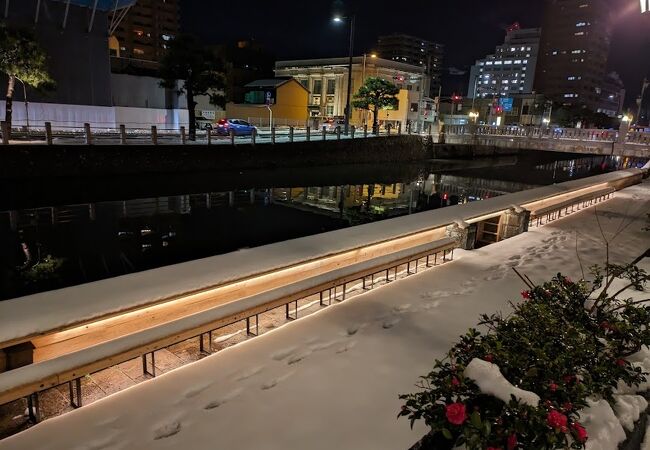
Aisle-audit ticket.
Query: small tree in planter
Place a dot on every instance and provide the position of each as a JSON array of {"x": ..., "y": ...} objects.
[{"x": 558, "y": 344}]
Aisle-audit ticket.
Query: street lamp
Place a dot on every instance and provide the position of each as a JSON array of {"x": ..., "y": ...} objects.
[
  {"x": 363, "y": 80},
  {"x": 340, "y": 19},
  {"x": 473, "y": 115},
  {"x": 25, "y": 100}
]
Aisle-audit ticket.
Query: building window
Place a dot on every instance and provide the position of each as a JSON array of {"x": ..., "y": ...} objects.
[
  {"x": 315, "y": 99},
  {"x": 138, "y": 51},
  {"x": 331, "y": 86},
  {"x": 330, "y": 110},
  {"x": 318, "y": 87},
  {"x": 304, "y": 82},
  {"x": 330, "y": 99}
]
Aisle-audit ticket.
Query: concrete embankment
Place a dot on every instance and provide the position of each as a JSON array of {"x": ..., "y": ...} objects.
[{"x": 29, "y": 161}]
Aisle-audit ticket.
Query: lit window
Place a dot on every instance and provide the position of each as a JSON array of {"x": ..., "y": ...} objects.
[
  {"x": 498, "y": 63},
  {"x": 579, "y": 33},
  {"x": 517, "y": 61},
  {"x": 507, "y": 62},
  {"x": 489, "y": 63},
  {"x": 138, "y": 51},
  {"x": 581, "y": 24}
]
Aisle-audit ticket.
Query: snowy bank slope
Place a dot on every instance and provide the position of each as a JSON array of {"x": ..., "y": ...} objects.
[
  {"x": 26, "y": 316},
  {"x": 331, "y": 380}
]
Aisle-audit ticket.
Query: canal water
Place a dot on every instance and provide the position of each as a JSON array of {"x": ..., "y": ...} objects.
[{"x": 56, "y": 233}]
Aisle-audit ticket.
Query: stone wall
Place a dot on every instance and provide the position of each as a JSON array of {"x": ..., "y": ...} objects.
[{"x": 28, "y": 161}]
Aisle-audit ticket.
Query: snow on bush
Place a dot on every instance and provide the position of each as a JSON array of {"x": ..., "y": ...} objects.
[
  {"x": 489, "y": 379},
  {"x": 529, "y": 381}
]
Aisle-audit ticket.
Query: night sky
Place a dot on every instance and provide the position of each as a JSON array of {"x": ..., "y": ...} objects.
[{"x": 470, "y": 29}]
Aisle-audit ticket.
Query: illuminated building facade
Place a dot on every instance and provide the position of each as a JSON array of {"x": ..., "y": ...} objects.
[
  {"x": 510, "y": 70},
  {"x": 574, "y": 50}
]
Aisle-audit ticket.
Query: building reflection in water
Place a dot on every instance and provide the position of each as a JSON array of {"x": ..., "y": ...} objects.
[{"x": 51, "y": 247}]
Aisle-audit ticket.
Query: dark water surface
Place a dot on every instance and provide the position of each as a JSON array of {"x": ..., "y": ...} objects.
[{"x": 61, "y": 232}]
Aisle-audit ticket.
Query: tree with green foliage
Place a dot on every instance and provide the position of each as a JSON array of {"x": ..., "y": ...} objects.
[
  {"x": 189, "y": 60},
  {"x": 376, "y": 93},
  {"x": 21, "y": 58}
]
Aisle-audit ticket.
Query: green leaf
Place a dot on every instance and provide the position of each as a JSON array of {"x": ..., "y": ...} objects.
[
  {"x": 475, "y": 418},
  {"x": 446, "y": 433}
]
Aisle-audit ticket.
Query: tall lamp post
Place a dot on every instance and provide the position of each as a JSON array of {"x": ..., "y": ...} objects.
[
  {"x": 25, "y": 99},
  {"x": 339, "y": 19}
]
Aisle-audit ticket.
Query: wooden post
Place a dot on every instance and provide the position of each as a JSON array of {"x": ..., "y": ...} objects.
[
  {"x": 89, "y": 136},
  {"x": 122, "y": 135},
  {"x": 48, "y": 133},
  {"x": 290, "y": 134},
  {"x": 308, "y": 135},
  {"x": 272, "y": 135},
  {"x": 154, "y": 135},
  {"x": 183, "y": 135},
  {"x": 5, "y": 132}
]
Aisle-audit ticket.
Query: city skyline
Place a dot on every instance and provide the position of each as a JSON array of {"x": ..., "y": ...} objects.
[{"x": 471, "y": 34}]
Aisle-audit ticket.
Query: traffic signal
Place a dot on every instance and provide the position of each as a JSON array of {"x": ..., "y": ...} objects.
[{"x": 456, "y": 98}]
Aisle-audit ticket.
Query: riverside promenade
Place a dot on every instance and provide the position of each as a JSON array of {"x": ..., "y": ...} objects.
[{"x": 332, "y": 379}]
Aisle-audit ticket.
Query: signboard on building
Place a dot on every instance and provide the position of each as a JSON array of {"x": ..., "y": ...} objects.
[
  {"x": 506, "y": 103},
  {"x": 208, "y": 114},
  {"x": 268, "y": 96}
]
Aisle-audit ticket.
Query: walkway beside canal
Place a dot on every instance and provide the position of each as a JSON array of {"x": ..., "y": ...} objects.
[{"x": 331, "y": 380}]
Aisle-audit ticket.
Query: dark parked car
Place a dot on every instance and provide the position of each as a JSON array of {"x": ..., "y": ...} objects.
[{"x": 238, "y": 126}]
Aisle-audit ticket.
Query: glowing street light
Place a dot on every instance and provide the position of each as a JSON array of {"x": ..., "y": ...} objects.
[
  {"x": 627, "y": 118},
  {"x": 473, "y": 115},
  {"x": 340, "y": 19}
]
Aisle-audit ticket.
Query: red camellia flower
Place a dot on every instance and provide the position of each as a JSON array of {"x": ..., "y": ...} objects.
[
  {"x": 553, "y": 387},
  {"x": 525, "y": 294},
  {"x": 568, "y": 406},
  {"x": 556, "y": 419},
  {"x": 581, "y": 433},
  {"x": 454, "y": 381},
  {"x": 620, "y": 362},
  {"x": 568, "y": 378},
  {"x": 605, "y": 325},
  {"x": 489, "y": 358},
  {"x": 494, "y": 448},
  {"x": 564, "y": 430},
  {"x": 456, "y": 413},
  {"x": 512, "y": 441}
]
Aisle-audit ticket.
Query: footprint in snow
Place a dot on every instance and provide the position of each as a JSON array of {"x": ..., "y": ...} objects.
[
  {"x": 402, "y": 308},
  {"x": 514, "y": 258},
  {"x": 196, "y": 390},
  {"x": 294, "y": 359},
  {"x": 390, "y": 323},
  {"x": 274, "y": 382},
  {"x": 249, "y": 373},
  {"x": 225, "y": 399},
  {"x": 319, "y": 346},
  {"x": 346, "y": 347},
  {"x": 352, "y": 329},
  {"x": 281, "y": 354},
  {"x": 167, "y": 430}
]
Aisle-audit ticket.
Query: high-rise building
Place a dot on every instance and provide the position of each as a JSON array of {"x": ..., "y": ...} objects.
[
  {"x": 643, "y": 115},
  {"x": 416, "y": 52},
  {"x": 143, "y": 33},
  {"x": 574, "y": 50},
  {"x": 510, "y": 70}
]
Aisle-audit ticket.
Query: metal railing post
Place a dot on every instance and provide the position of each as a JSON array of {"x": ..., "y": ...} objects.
[
  {"x": 365, "y": 131},
  {"x": 272, "y": 135},
  {"x": 232, "y": 136},
  {"x": 254, "y": 135},
  {"x": 388, "y": 127},
  {"x": 154, "y": 135},
  {"x": 290, "y": 134},
  {"x": 308, "y": 135},
  {"x": 183, "y": 135},
  {"x": 48, "y": 133},
  {"x": 399, "y": 128},
  {"x": 5, "y": 132},
  {"x": 89, "y": 136},
  {"x": 352, "y": 130},
  {"x": 338, "y": 133},
  {"x": 209, "y": 134},
  {"x": 122, "y": 135},
  {"x": 324, "y": 133}
]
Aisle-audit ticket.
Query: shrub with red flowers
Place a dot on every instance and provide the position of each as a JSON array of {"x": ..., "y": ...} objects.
[{"x": 553, "y": 344}]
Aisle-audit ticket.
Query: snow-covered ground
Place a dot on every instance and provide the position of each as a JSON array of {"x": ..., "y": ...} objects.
[{"x": 332, "y": 379}]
